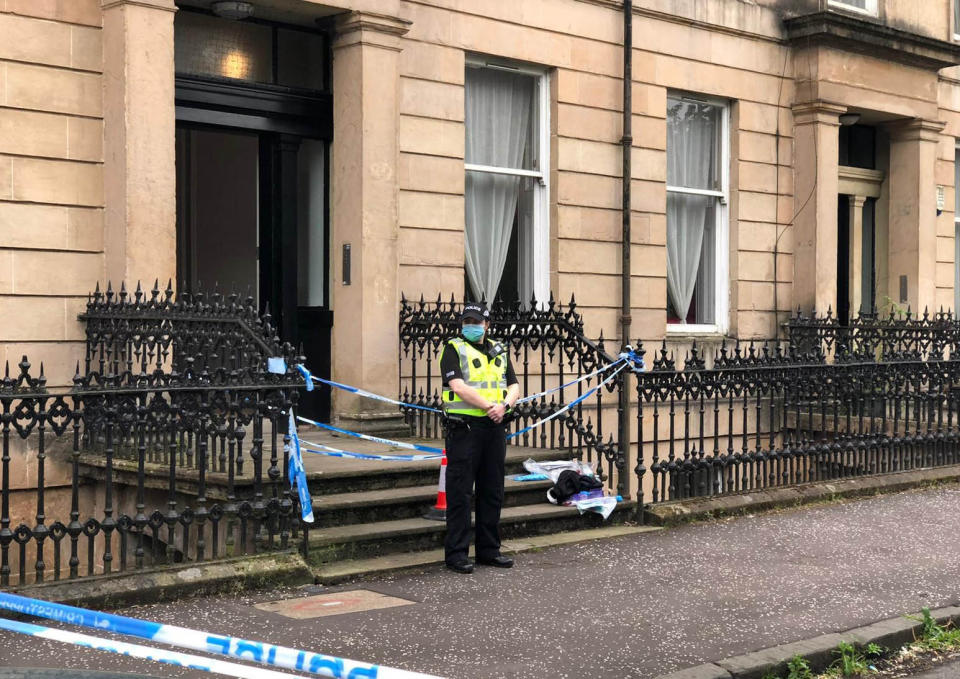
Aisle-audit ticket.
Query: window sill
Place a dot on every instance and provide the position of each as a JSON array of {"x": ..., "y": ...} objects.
[
  {"x": 870, "y": 12},
  {"x": 692, "y": 331}
]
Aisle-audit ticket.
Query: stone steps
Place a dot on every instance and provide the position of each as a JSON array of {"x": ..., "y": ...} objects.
[
  {"x": 390, "y": 475},
  {"x": 366, "y": 506},
  {"x": 367, "y": 540},
  {"x": 374, "y": 509}
]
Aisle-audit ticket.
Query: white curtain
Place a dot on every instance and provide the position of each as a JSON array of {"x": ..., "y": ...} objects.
[
  {"x": 691, "y": 144},
  {"x": 497, "y": 128}
]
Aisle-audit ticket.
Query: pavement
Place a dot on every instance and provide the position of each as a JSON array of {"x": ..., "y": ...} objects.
[
  {"x": 633, "y": 606},
  {"x": 946, "y": 671}
]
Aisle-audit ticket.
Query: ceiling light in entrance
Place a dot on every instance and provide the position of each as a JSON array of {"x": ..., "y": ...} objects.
[
  {"x": 232, "y": 9},
  {"x": 235, "y": 64}
]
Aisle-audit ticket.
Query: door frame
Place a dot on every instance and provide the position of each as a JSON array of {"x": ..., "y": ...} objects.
[{"x": 282, "y": 117}]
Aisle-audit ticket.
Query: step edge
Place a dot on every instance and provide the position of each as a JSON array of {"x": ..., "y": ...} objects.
[
  {"x": 510, "y": 515},
  {"x": 356, "y": 568}
]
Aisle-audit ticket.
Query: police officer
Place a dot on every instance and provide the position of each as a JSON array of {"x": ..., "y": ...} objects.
[{"x": 480, "y": 386}]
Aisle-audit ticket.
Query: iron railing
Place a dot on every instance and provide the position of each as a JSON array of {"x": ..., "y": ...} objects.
[
  {"x": 170, "y": 438},
  {"x": 548, "y": 347},
  {"x": 893, "y": 335},
  {"x": 830, "y": 401},
  {"x": 766, "y": 416}
]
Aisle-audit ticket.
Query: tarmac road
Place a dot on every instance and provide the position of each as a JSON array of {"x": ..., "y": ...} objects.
[{"x": 635, "y": 606}]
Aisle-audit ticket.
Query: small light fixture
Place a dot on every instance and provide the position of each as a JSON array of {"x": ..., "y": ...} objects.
[
  {"x": 232, "y": 9},
  {"x": 847, "y": 119}
]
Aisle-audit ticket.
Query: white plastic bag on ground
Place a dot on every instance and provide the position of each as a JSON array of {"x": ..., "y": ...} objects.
[
  {"x": 552, "y": 468},
  {"x": 603, "y": 506}
]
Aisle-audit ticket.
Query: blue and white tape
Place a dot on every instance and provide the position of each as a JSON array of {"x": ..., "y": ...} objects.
[
  {"x": 307, "y": 376},
  {"x": 193, "y": 662},
  {"x": 596, "y": 372},
  {"x": 570, "y": 405},
  {"x": 296, "y": 472},
  {"x": 369, "y": 394},
  {"x": 635, "y": 359},
  {"x": 375, "y": 439},
  {"x": 182, "y": 637},
  {"x": 321, "y": 449}
]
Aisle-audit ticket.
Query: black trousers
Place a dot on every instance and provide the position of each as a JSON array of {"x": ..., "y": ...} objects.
[{"x": 475, "y": 457}]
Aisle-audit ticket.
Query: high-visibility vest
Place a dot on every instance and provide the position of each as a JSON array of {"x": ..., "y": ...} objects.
[{"x": 485, "y": 374}]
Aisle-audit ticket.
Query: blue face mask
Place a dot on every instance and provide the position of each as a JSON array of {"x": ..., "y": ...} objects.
[{"x": 473, "y": 333}]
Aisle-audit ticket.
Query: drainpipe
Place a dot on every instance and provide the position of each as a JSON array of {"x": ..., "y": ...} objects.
[{"x": 626, "y": 144}]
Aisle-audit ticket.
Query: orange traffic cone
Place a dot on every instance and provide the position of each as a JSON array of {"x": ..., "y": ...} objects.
[{"x": 439, "y": 511}]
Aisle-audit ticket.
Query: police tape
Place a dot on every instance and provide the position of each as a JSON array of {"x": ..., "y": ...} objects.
[
  {"x": 376, "y": 439},
  {"x": 308, "y": 376},
  {"x": 182, "y": 637},
  {"x": 628, "y": 356},
  {"x": 296, "y": 474},
  {"x": 321, "y": 449},
  {"x": 570, "y": 405},
  {"x": 596, "y": 372},
  {"x": 193, "y": 662}
]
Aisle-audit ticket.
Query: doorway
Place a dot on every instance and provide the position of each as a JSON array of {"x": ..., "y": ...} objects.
[{"x": 252, "y": 175}]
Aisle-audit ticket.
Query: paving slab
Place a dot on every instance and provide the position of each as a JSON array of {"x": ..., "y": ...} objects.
[
  {"x": 947, "y": 671},
  {"x": 638, "y": 605}
]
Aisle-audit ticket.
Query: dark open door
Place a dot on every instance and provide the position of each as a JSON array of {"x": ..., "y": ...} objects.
[{"x": 252, "y": 139}]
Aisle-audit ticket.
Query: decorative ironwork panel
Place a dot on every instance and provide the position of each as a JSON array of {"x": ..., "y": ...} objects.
[{"x": 175, "y": 419}]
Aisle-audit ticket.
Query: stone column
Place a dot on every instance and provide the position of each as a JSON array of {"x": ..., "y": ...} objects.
[
  {"x": 912, "y": 232},
  {"x": 139, "y": 124},
  {"x": 816, "y": 182},
  {"x": 855, "y": 273},
  {"x": 365, "y": 187}
]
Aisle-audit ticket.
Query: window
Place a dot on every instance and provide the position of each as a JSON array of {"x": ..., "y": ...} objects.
[
  {"x": 211, "y": 47},
  {"x": 697, "y": 161},
  {"x": 862, "y": 6},
  {"x": 507, "y": 171},
  {"x": 956, "y": 231},
  {"x": 956, "y": 19}
]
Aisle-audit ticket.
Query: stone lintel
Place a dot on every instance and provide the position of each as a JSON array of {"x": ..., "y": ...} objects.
[
  {"x": 165, "y": 5},
  {"x": 866, "y": 36},
  {"x": 917, "y": 129},
  {"x": 368, "y": 28}
]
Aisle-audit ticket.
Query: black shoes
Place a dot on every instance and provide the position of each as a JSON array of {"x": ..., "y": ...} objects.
[
  {"x": 497, "y": 561},
  {"x": 464, "y": 567}
]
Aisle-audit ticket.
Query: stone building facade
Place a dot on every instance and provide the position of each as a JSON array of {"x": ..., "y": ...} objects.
[{"x": 784, "y": 154}]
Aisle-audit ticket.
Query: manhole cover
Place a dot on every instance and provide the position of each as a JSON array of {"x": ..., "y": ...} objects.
[{"x": 337, "y": 603}]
